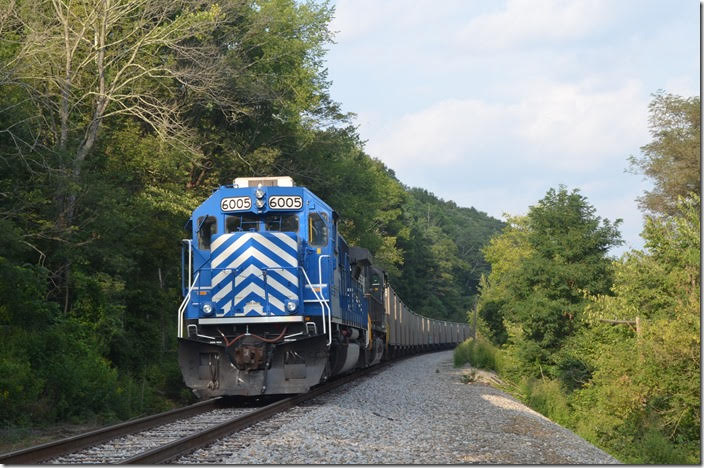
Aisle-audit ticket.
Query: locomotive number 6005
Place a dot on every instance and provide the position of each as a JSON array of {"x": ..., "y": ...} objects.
[
  {"x": 236, "y": 204},
  {"x": 285, "y": 203}
]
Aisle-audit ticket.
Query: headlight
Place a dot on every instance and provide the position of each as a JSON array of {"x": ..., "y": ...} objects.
[
  {"x": 259, "y": 193},
  {"x": 291, "y": 306},
  {"x": 207, "y": 309},
  {"x": 260, "y": 204}
]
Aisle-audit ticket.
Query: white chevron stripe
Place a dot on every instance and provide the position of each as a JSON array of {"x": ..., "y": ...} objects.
[
  {"x": 251, "y": 270},
  {"x": 276, "y": 303},
  {"x": 270, "y": 263},
  {"x": 215, "y": 280},
  {"x": 216, "y": 243},
  {"x": 253, "y": 252},
  {"x": 252, "y": 288},
  {"x": 215, "y": 263},
  {"x": 291, "y": 242},
  {"x": 223, "y": 292},
  {"x": 280, "y": 288},
  {"x": 289, "y": 259},
  {"x": 285, "y": 238},
  {"x": 228, "y": 305}
]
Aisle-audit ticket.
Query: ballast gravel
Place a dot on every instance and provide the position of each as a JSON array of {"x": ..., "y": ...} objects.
[{"x": 419, "y": 411}]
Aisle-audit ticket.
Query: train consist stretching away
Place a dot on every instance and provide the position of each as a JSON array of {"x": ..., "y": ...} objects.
[{"x": 275, "y": 300}]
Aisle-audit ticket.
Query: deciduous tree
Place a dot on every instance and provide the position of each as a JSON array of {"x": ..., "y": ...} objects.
[{"x": 671, "y": 159}]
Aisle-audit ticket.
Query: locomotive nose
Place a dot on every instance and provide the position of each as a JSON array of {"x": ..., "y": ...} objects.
[{"x": 255, "y": 274}]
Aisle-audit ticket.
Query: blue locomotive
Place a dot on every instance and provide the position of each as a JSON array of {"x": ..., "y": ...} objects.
[{"x": 275, "y": 300}]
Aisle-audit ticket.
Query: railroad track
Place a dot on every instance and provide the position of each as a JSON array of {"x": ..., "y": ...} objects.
[{"x": 198, "y": 426}]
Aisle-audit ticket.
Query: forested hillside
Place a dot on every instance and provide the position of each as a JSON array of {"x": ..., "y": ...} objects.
[
  {"x": 116, "y": 119},
  {"x": 610, "y": 348}
]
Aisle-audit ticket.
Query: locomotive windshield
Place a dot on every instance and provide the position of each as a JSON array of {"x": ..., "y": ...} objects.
[
  {"x": 252, "y": 223},
  {"x": 244, "y": 222},
  {"x": 281, "y": 222}
]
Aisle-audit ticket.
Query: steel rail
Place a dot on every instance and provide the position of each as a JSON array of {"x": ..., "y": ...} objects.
[
  {"x": 201, "y": 439},
  {"x": 38, "y": 453}
]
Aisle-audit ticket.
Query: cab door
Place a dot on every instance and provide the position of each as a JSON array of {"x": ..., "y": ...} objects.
[{"x": 318, "y": 259}]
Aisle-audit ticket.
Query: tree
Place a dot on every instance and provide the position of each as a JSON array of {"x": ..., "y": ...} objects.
[
  {"x": 443, "y": 254},
  {"x": 545, "y": 264},
  {"x": 644, "y": 396},
  {"x": 671, "y": 159},
  {"x": 505, "y": 253},
  {"x": 79, "y": 64}
]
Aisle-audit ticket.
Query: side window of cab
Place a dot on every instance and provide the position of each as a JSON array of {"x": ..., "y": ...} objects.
[
  {"x": 318, "y": 229},
  {"x": 208, "y": 228}
]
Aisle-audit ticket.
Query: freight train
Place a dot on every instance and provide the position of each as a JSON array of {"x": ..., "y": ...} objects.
[{"x": 276, "y": 301}]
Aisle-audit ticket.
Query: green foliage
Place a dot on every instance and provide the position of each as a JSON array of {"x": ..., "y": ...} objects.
[
  {"x": 491, "y": 313},
  {"x": 543, "y": 264},
  {"x": 568, "y": 245},
  {"x": 443, "y": 252},
  {"x": 505, "y": 254},
  {"x": 671, "y": 159},
  {"x": 632, "y": 388},
  {"x": 652, "y": 379},
  {"x": 19, "y": 389},
  {"x": 479, "y": 353},
  {"x": 548, "y": 398}
]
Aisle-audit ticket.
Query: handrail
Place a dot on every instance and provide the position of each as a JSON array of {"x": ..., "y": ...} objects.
[
  {"x": 183, "y": 306},
  {"x": 320, "y": 283},
  {"x": 323, "y": 306},
  {"x": 190, "y": 263}
]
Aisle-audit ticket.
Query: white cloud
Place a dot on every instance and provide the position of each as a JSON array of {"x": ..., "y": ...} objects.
[
  {"x": 573, "y": 127},
  {"x": 356, "y": 18},
  {"x": 583, "y": 126},
  {"x": 524, "y": 22},
  {"x": 443, "y": 133}
]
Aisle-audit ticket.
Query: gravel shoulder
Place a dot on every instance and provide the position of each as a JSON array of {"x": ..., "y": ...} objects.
[{"x": 417, "y": 411}]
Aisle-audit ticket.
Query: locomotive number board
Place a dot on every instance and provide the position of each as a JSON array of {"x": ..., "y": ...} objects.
[
  {"x": 236, "y": 204},
  {"x": 285, "y": 203}
]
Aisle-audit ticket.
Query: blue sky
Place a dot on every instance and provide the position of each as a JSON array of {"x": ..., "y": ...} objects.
[{"x": 490, "y": 103}]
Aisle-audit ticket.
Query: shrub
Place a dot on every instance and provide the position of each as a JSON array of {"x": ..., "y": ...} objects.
[
  {"x": 19, "y": 390},
  {"x": 547, "y": 397},
  {"x": 479, "y": 353},
  {"x": 655, "y": 448}
]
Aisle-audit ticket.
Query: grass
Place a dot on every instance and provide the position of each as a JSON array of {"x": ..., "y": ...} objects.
[{"x": 479, "y": 353}]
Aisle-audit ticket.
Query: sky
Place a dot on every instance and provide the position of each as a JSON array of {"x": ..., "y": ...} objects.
[{"x": 491, "y": 103}]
